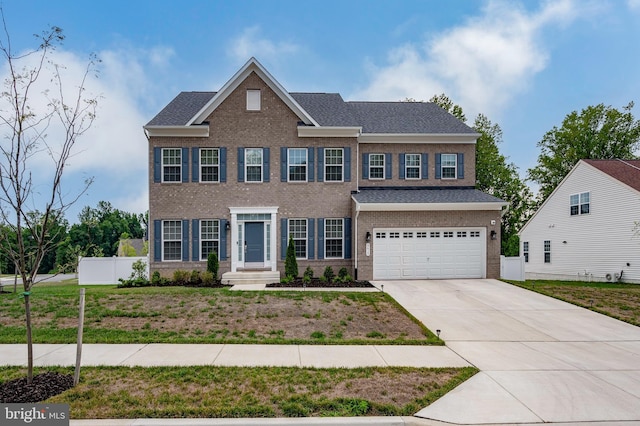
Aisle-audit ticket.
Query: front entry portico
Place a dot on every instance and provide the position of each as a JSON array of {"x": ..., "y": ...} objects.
[{"x": 253, "y": 242}]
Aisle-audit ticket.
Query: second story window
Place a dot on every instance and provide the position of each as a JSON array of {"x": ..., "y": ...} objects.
[
  {"x": 209, "y": 165},
  {"x": 333, "y": 164},
  {"x": 297, "y": 159},
  {"x": 253, "y": 164},
  {"x": 376, "y": 166},
  {"x": 171, "y": 164},
  {"x": 449, "y": 165},
  {"x": 412, "y": 166},
  {"x": 580, "y": 203}
]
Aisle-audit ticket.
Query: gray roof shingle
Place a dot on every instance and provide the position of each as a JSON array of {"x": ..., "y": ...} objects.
[
  {"x": 423, "y": 196},
  {"x": 329, "y": 109}
]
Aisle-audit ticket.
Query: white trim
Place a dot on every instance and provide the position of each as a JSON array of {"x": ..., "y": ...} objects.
[
  {"x": 395, "y": 207},
  {"x": 449, "y": 138},
  {"x": 329, "y": 132},
  {"x": 384, "y": 168},
  {"x": 199, "y": 131},
  {"x": 235, "y": 211},
  {"x": 252, "y": 65},
  {"x": 306, "y": 165}
]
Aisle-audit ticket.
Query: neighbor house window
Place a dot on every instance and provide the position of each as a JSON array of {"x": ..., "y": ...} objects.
[
  {"x": 333, "y": 164},
  {"x": 298, "y": 231},
  {"x": 580, "y": 203},
  {"x": 525, "y": 251},
  {"x": 297, "y": 164},
  {"x": 376, "y": 166},
  {"x": 253, "y": 164},
  {"x": 209, "y": 238},
  {"x": 253, "y": 100},
  {"x": 412, "y": 166},
  {"x": 171, "y": 165},
  {"x": 333, "y": 237},
  {"x": 172, "y": 240},
  {"x": 547, "y": 251},
  {"x": 209, "y": 165},
  {"x": 448, "y": 165}
]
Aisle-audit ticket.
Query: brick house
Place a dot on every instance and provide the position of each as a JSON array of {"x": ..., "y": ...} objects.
[{"x": 385, "y": 189}]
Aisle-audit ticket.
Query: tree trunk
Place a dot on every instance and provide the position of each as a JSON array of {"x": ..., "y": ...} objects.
[{"x": 27, "y": 307}]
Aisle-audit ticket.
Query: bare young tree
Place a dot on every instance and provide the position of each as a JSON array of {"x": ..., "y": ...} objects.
[{"x": 29, "y": 210}]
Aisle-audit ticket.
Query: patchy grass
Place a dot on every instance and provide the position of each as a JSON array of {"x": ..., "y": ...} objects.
[
  {"x": 617, "y": 300},
  {"x": 176, "y": 392},
  {"x": 211, "y": 315}
]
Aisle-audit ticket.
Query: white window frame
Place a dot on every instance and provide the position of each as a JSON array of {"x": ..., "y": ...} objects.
[
  {"x": 525, "y": 251},
  {"x": 408, "y": 167},
  {"x": 290, "y": 165},
  {"x": 448, "y": 162},
  {"x": 247, "y": 153},
  {"x": 579, "y": 201},
  {"x": 331, "y": 235},
  {"x": 166, "y": 164},
  {"x": 547, "y": 251},
  {"x": 299, "y": 235},
  {"x": 254, "y": 101},
  {"x": 216, "y": 152},
  {"x": 169, "y": 236},
  {"x": 327, "y": 164},
  {"x": 379, "y": 167},
  {"x": 209, "y": 236}
]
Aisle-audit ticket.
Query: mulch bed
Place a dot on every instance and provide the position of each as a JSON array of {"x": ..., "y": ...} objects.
[
  {"x": 316, "y": 283},
  {"x": 44, "y": 386}
]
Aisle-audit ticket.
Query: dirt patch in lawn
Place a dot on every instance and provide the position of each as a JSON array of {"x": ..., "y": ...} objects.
[{"x": 223, "y": 315}]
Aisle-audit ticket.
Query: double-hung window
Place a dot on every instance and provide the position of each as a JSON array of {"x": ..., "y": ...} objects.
[
  {"x": 297, "y": 159},
  {"x": 333, "y": 164},
  {"x": 580, "y": 203},
  {"x": 412, "y": 166},
  {"x": 376, "y": 166},
  {"x": 172, "y": 240},
  {"x": 525, "y": 251},
  {"x": 298, "y": 231},
  {"x": 253, "y": 164},
  {"x": 209, "y": 165},
  {"x": 209, "y": 238},
  {"x": 171, "y": 165},
  {"x": 448, "y": 166},
  {"x": 334, "y": 238},
  {"x": 547, "y": 251}
]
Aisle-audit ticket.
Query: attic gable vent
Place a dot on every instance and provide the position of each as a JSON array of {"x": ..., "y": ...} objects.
[{"x": 253, "y": 100}]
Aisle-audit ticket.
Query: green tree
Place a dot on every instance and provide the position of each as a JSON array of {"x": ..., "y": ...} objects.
[
  {"x": 26, "y": 119},
  {"x": 290, "y": 262},
  {"x": 496, "y": 176},
  {"x": 597, "y": 132}
]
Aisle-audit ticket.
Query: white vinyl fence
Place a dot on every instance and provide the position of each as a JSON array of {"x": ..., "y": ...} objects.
[
  {"x": 512, "y": 268},
  {"x": 106, "y": 270}
]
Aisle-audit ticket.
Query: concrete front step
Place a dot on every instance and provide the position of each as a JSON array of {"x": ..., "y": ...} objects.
[{"x": 250, "y": 277}]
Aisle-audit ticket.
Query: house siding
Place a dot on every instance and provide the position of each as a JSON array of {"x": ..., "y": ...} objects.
[{"x": 599, "y": 243}]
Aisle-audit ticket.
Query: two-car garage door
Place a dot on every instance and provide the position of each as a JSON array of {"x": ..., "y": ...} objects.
[{"x": 424, "y": 253}]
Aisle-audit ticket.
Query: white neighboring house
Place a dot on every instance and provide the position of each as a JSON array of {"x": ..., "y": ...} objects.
[{"x": 585, "y": 229}]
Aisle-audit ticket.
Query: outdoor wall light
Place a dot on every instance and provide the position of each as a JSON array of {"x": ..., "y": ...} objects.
[
  {"x": 368, "y": 237},
  {"x": 438, "y": 333},
  {"x": 227, "y": 226},
  {"x": 494, "y": 235}
]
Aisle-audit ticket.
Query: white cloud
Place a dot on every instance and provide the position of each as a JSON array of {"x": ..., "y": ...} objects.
[
  {"x": 251, "y": 43},
  {"x": 481, "y": 64}
]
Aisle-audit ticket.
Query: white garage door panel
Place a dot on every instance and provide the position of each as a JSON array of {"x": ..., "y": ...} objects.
[{"x": 426, "y": 253}]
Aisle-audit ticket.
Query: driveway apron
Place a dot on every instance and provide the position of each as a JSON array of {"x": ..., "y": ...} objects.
[{"x": 541, "y": 360}]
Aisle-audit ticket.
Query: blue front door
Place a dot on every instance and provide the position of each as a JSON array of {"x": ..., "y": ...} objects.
[{"x": 254, "y": 242}]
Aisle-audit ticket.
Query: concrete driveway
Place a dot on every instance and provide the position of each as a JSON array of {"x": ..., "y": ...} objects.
[{"x": 541, "y": 360}]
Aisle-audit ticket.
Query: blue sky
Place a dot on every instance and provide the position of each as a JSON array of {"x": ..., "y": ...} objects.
[{"x": 523, "y": 64}]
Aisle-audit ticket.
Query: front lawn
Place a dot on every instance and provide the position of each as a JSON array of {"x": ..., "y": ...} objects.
[
  {"x": 180, "y": 392},
  {"x": 211, "y": 315},
  {"x": 617, "y": 300}
]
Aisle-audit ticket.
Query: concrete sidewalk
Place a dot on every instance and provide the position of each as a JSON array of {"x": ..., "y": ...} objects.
[{"x": 155, "y": 354}]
